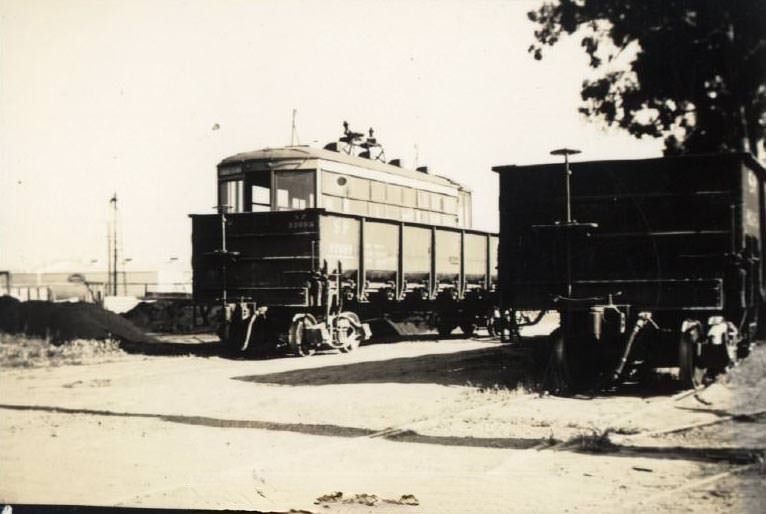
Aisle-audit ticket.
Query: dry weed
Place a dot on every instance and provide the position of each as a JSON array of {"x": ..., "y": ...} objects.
[
  {"x": 18, "y": 351},
  {"x": 597, "y": 441}
]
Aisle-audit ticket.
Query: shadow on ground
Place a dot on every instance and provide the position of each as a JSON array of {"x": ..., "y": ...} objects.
[
  {"x": 29, "y": 508},
  {"x": 522, "y": 364},
  {"x": 502, "y": 365},
  {"x": 732, "y": 455},
  {"x": 172, "y": 348},
  {"x": 578, "y": 444},
  {"x": 186, "y": 344},
  {"x": 315, "y": 429}
]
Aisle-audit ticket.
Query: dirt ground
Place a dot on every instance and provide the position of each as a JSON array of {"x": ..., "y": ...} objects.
[{"x": 428, "y": 426}]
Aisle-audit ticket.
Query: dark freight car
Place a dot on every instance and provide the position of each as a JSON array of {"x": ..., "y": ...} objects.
[
  {"x": 272, "y": 255},
  {"x": 654, "y": 262},
  {"x": 312, "y": 264}
]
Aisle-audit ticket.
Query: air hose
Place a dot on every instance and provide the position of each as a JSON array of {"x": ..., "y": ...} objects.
[{"x": 644, "y": 319}]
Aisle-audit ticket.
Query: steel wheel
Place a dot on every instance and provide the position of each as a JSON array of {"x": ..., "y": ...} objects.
[
  {"x": 234, "y": 333},
  {"x": 570, "y": 366},
  {"x": 493, "y": 325},
  {"x": 498, "y": 326},
  {"x": 691, "y": 373},
  {"x": 444, "y": 328},
  {"x": 298, "y": 341},
  {"x": 744, "y": 348},
  {"x": 347, "y": 332},
  {"x": 468, "y": 328},
  {"x": 441, "y": 322}
]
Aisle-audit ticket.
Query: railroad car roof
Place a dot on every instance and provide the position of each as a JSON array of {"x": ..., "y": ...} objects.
[
  {"x": 681, "y": 160},
  {"x": 307, "y": 152}
]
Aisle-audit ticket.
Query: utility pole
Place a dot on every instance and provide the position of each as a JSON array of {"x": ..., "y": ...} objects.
[
  {"x": 113, "y": 202},
  {"x": 108, "y": 280}
]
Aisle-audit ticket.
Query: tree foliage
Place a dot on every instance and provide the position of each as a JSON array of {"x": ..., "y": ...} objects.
[{"x": 699, "y": 73}]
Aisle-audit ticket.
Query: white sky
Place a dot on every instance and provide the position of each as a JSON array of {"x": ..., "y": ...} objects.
[{"x": 121, "y": 95}]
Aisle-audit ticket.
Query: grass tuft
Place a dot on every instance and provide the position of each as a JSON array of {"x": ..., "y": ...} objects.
[
  {"x": 597, "y": 441},
  {"x": 19, "y": 351}
]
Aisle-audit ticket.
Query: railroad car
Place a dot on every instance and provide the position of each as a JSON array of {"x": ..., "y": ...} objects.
[
  {"x": 309, "y": 242},
  {"x": 650, "y": 263}
]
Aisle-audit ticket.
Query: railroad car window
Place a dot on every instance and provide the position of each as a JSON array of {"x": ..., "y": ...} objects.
[
  {"x": 283, "y": 199},
  {"x": 408, "y": 214},
  {"x": 295, "y": 189},
  {"x": 260, "y": 191},
  {"x": 222, "y": 200},
  {"x": 408, "y": 197},
  {"x": 261, "y": 199},
  {"x": 231, "y": 195},
  {"x": 378, "y": 191},
  {"x": 237, "y": 195}
]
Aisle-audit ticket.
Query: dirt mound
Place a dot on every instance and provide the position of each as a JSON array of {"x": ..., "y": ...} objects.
[
  {"x": 62, "y": 322},
  {"x": 170, "y": 316}
]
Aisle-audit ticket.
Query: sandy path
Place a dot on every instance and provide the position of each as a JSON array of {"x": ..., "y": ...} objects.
[{"x": 276, "y": 434}]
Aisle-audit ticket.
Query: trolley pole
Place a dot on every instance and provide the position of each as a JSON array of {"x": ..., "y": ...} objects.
[{"x": 566, "y": 152}]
